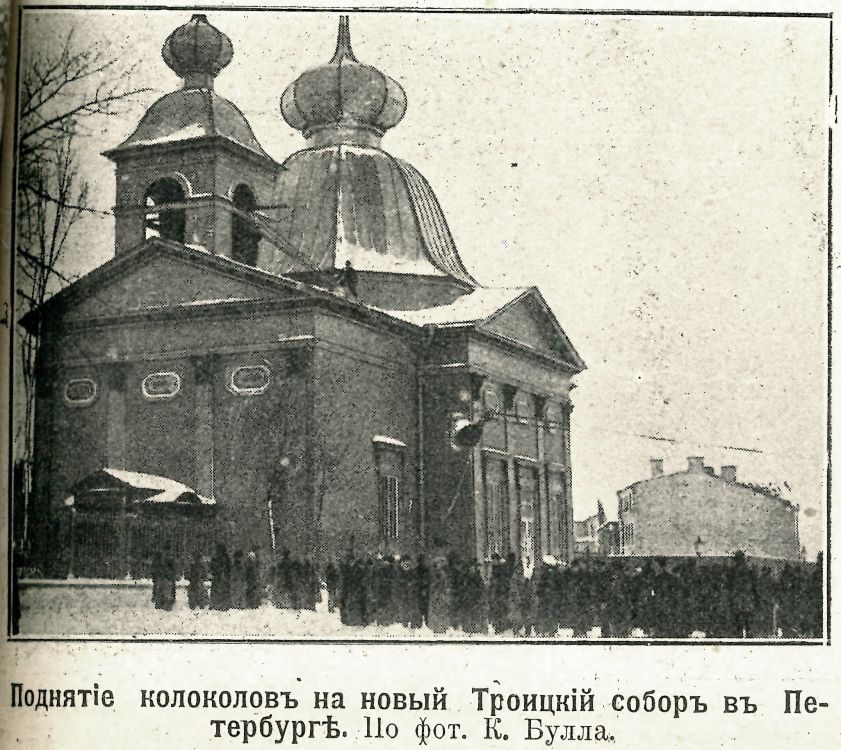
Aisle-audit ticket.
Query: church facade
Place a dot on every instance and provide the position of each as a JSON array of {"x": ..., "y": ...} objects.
[{"x": 300, "y": 342}]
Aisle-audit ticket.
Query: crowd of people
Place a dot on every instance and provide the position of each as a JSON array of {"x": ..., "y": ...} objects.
[{"x": 721, "y": 598}]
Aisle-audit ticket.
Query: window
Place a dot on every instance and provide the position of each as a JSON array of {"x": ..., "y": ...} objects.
[
  {"x": 165, "y": 212},
  {"x": 524, "y": 407},
  {"x": 496, "y": 509},
  {"x": 249, "y": 380},
  {"x": 492, "y": 401},
  {"x": 80, "y": 392},
  {"x": 389, "y": 502},
  {"x": 627, "y": 534},
  {"x": 528, "y": 497},
  {"x": 508, "y": 394},
  {"x": 245, "y": 236},
  {"x": 553, "y": 417},
  {"x": 161, "y": 385},
  {"x": 558, "y": 515},
  {"x": 389, "y": 461}
]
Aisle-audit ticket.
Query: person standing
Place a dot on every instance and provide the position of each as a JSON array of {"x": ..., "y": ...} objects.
[
  {"x": 333, "y": 581},
  {"x": 220, "y": 573},
  {"x": 475, "y": 618},
  {"x": 253, "y": 591},
  {"x": 422, "y": 586},
  {"x": 440, "y": 597},
  {"x": 196, "y": 591},
  {"x": 519, "y": 601},
  {"x": 157, "y": 571}
]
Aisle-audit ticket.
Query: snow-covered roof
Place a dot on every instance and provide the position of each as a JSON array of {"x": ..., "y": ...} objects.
[
  {"x": 168, "y": 490},
  {"x": 219, "y": 301},
  {"x": 469, "y": 308},
  {"x": 187, "y": 114},
  {"x": 384, "y": 440}
]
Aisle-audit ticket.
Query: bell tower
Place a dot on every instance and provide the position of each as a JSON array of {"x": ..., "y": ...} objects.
[{"x": 192, "y": 171}]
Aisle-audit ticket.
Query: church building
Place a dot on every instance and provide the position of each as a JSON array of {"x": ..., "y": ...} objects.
[{"x": 296, "y": 349}]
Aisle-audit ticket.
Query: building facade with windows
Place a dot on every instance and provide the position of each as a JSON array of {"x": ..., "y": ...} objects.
[
  {"x": 300, "y": 343},
  {"x": 596, "y": 536},
  {"x": 696, "y": 512}
]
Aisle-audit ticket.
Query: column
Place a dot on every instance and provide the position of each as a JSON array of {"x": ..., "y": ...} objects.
[
  {"x": 116, "y": 437},
  {"x": 566, "y": 414},
  {"x": 543, "y": 498},
  {"x": 508, "y": 393},
  {"x": 479, "y": 515},
  {"x": 513, "y": 507},
  {"x": 203, "y": 373}
]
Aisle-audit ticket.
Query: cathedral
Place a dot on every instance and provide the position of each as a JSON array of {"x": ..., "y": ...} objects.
[{"x": 293, "y": 355}]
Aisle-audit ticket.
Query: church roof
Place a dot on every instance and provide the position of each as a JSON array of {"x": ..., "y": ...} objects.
[
  {"x": 355, "y": 203},
  {"x": 484, "y": 306},
  {"x": 190, "y": 114},
  {"x": 471, "y": 308},
  {"x": 480, "y": 309}
]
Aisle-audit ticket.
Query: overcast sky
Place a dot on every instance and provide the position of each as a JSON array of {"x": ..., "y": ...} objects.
[{"x": 661, "y": 179}]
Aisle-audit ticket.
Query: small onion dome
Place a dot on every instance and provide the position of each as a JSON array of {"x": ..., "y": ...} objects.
[
  {"x": 343, "y": 101},
  {"x": 197, "y": 51}
]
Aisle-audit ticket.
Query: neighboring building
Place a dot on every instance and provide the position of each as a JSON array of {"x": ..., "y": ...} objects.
[
  {"x": 300, "y": 343},
  {"x": 587, "y": 536},
  {"x": 700, "y": 513},
  {"x": 609, "y": 538},
  {"x": 596, "y": 535}
]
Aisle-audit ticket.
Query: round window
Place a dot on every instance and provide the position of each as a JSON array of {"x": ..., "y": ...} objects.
[
  {"x": 250, "y": 379},
  {"x": 159, "y": 385},
  {"x": 80, "y": 392}
]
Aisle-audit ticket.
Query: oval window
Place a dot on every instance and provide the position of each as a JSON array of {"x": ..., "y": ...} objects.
[
  {"x": 159, "y": 385},
  {"x": 250, "y": 379},
  {"x": 80, "y": 392}
]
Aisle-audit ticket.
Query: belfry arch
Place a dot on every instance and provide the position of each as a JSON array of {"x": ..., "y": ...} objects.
[
  {"x": 165, "y": 215},
  {"x": 245, "y": 235}
]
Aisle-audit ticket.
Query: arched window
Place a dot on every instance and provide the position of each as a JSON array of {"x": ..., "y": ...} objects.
[
  {"x": 168, "y": 223},
  {"x": 245, "y": 237}
]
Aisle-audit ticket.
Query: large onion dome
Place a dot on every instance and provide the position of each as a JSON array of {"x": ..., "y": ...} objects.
[
  {"x": 343, "y": 96},
  {"x": 343, "y": 199}
]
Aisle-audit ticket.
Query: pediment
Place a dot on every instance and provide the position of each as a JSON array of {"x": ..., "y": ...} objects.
[
  {"x": 529, "y": 321},
  {"x": 161, "y": 275}
]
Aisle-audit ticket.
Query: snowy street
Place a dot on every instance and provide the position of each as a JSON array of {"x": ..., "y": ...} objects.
[{"x": 120, "y": 609}]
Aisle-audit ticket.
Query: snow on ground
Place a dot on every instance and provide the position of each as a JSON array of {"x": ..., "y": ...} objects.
[{"x": 120, "y": 611}]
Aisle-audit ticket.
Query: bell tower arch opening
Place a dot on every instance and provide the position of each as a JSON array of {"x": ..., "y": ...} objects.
[
  {"x": 245, "y": 236},
  {"x": 166, "y": 215}
]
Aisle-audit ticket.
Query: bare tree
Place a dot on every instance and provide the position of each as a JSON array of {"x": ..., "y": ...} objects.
[{"x": 63, "y": 89}]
